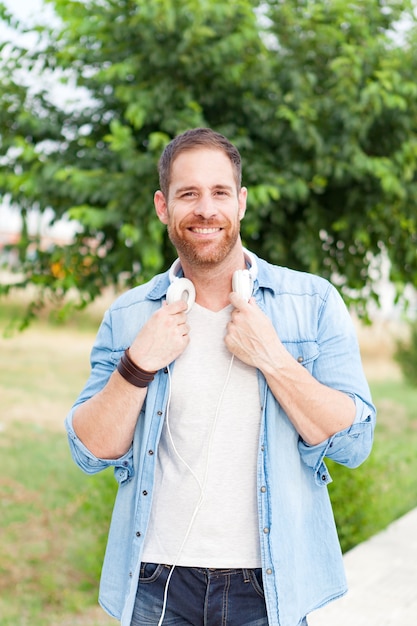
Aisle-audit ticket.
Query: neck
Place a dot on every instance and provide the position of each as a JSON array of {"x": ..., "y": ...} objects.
[{"x": 213, "y": 284}]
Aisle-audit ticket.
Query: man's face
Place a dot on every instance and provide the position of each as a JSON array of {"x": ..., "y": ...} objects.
[{"x": 204, "y": 207}]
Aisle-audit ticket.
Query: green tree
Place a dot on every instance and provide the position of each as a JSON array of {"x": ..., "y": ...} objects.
[
  {"x": 344, "y": 139},
  {"x": 320, "y": 98}
]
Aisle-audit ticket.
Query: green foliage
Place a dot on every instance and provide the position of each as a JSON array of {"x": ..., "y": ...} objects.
[
  {"x": 367, "y": 499},
  {"x": 320, "y": 97},
  {"x": 406, "y": 355},
  {"x": 354, "y": 498}
]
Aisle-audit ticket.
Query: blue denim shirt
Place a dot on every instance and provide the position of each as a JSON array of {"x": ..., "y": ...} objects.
[{"x": 301, "y": 556}]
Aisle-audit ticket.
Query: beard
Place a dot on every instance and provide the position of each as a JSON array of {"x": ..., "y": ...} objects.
[{"x": 204, "y": 253}]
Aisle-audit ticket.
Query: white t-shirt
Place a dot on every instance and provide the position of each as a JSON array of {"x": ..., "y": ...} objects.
[{"x": 204, "y": 509}]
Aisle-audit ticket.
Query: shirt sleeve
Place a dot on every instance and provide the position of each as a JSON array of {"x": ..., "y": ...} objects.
[
  {"x": 90, "y": 464},
  {"x": 339, "y": 366},
  {"x": 348, "y": 447},
  {"x": 103, "y": 362}
]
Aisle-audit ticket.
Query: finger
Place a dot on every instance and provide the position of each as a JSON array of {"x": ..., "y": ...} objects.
[
  {"x": 174, "y": 308},
  {"x": 237, "y": 301}
]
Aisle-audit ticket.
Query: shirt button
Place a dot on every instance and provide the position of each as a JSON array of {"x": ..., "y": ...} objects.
[
  {"x": 150, "y": 452},
  {"x": 144, "y": 492},
  {"x": 138, "y": 534},
  {"x": 269, "y": 570},
  {"x": 263, "y": 489},
  {"x": 266, "y": 530},
  {"x": 159, "y": 413},
  {"x": 300, "y": 359}
]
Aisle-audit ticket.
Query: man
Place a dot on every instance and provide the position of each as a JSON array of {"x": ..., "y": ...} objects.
[{"x": 217, "y": 419}]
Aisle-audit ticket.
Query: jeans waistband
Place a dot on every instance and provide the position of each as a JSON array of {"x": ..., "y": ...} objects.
[{"x": 221, "y": 571}]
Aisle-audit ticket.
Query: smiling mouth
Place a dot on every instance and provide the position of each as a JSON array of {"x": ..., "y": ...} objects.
[{"x": 205, "y": 231}]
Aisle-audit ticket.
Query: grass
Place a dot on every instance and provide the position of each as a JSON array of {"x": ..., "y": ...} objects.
[
  {"x": 54, "y": 519},
  {"x": 53, "y": 525}
]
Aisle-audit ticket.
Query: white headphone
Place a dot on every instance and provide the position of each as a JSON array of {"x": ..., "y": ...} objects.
[{"x": 183, "y": 289}]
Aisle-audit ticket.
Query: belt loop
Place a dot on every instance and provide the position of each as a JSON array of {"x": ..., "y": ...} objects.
[{"x": 246, "y": 575}]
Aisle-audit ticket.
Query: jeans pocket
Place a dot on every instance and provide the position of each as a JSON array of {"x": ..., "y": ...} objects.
[
  {"x": 255, "y": 576},
  {"x": 149, "y": 572}
]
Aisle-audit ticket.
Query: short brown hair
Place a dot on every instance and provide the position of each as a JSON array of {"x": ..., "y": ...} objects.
[{"x": 197, "y": 138}]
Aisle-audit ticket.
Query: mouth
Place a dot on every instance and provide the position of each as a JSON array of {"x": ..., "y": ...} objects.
[{"x": 205, "y": 231}]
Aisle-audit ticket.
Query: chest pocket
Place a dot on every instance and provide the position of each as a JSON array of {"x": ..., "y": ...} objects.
[{"x": 304, "y": 352}]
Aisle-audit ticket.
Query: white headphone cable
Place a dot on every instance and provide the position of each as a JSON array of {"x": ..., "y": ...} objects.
[{"x": 201, "y": 485}]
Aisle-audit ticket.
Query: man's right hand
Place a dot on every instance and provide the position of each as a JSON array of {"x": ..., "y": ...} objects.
[{"x": 162, "y": 339}]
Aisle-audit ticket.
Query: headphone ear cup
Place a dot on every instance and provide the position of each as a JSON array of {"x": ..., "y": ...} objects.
[
  {"x": 181, "y": 289},
  {"x": 242, "y": 284}
]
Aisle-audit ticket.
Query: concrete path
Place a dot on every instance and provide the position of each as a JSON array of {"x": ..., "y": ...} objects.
[{"x": 382, "y": 578}]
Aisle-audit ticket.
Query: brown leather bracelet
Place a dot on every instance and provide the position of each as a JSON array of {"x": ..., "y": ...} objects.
[
  {"x": 134, "y": 369},
  {"x": 134, "y": 374}
]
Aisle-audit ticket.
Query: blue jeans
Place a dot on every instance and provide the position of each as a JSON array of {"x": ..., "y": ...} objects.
[{"x": 200, "y": 597}]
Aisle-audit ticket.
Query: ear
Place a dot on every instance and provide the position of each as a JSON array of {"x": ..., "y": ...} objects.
[
  {"x": 243, "y": 194},
  {"x": 161, "y": 206}
]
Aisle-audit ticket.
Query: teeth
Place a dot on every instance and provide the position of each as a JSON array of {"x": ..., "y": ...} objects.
[{"x": 205, "y": 231}]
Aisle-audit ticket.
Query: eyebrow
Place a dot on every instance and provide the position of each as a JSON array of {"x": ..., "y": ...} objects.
[{"x": 195, "y": 187}]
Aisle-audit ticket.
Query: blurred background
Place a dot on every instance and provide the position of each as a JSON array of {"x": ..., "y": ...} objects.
[{"x": 321, "y": 100}]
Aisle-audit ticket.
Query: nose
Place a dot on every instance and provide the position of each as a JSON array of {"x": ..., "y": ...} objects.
[{"x": 206, "y": 206}]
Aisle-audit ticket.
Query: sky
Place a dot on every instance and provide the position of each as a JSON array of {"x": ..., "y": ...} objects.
[
  {"x": 23, "y": 8},
  {"x": 10, "y": 221}
]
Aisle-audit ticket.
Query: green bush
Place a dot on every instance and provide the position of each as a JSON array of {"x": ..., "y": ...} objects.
[
  {"x": 358, "y": 500},
  {"x": 367, "y": 499},
  {"x": 406, "y": 355},
  {"x": 353, "y": 496}
]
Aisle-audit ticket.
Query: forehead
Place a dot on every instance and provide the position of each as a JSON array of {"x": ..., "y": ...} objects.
[{"x": 202, "y": 166}]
